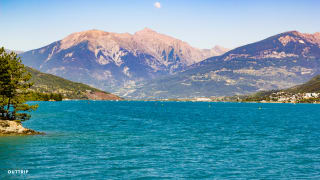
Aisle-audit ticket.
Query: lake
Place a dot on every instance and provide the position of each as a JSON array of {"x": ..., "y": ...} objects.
[{"x": 166, "y": 140}]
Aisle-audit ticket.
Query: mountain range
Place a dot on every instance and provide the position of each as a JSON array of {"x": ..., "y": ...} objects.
[
  {"x": 152, "y": 65},
  {"x": 278, "y": 62},
  {"x": 112, "y": 61}
]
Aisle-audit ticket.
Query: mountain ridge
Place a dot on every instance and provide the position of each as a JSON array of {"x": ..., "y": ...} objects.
[
  {"x": 283, "y": 38},
  {"x": 111, "y": 60},
  {"x": 277, "y": 62}
]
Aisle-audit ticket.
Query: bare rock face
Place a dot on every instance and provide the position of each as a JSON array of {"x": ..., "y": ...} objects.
[
  {"x": 15, "y": 128},
  {"x": 164, "y": 47},
  {"x": 112, "y": 60}
]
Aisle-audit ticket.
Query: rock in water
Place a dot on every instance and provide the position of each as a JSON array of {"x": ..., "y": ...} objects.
[{"x": 8, "y": 127}]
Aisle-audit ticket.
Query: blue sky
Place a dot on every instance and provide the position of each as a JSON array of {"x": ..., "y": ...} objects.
[{"x": 30, "y": 24}]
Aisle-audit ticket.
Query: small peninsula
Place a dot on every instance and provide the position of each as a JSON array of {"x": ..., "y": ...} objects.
[{"x": 8, "y": 128}]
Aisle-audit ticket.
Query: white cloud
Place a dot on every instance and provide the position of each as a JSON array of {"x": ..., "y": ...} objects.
[{"x": 157, "y": 5}]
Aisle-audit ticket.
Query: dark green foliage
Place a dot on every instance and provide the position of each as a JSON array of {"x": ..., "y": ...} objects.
[
  {"x": 259, "y": 96},
  {"x": 14, "y": 88},
  {"x": 310, "y": 100},
  {"x": 37, "y": 96}
]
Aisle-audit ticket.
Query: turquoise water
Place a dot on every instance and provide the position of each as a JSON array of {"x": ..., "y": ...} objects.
[{"x": 167, "y": 140}]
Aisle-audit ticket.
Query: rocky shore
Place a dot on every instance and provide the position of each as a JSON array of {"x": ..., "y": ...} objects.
[{"x": 15, "y": 128}]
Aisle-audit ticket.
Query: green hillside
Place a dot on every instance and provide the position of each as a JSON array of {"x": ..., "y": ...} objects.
[
  {"x": 51, "y": 84},
  {"x": 311, "y": 86},
  {"x": 304, "y": 93}
]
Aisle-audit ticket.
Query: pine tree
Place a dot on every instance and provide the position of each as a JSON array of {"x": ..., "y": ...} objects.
[{"x": 14, "y": 86}]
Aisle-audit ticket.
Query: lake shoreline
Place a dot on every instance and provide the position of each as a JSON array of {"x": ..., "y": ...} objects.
[
  {"x": 15, "y": 128},
  {"x": 161, "y": 100}
]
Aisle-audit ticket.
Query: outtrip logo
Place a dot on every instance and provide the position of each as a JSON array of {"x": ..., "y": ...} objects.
[{"x": 18, "y": 171}]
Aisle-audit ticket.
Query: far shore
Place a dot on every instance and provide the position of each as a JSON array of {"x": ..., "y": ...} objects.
[{"x": 186, "y": 100}]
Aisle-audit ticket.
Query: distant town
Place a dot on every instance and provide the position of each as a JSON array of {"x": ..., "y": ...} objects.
[
  {"x": 274, "y": 97},
  {"x": 285, "y": 97}
]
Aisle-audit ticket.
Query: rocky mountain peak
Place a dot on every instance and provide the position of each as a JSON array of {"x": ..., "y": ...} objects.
[
  {"x": 148, "y": 34},
  {"x": 145, "y": 30},
  {"x": 78, "y": 37},
  {"x": 291, "y": 44},
  {"x": 90, "y": 34},
  {"x": 111, "y": 60},
  {"x": 302, "y": 38},
  {"x": 220, "y": 49}
]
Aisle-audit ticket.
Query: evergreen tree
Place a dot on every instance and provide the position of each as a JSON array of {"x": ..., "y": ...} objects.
[{"x": 14, "y": 86}]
